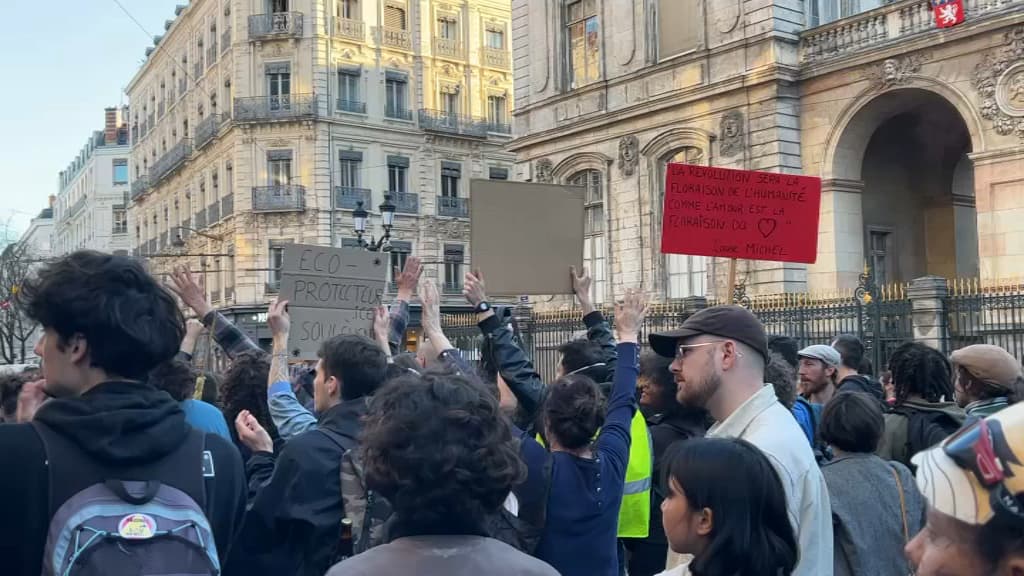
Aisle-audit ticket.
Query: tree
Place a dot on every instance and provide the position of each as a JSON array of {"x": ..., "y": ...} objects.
[{"x": 17, "y": 330}]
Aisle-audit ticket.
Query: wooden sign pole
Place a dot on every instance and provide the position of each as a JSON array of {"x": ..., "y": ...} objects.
[{"x": 732, "y": 281}]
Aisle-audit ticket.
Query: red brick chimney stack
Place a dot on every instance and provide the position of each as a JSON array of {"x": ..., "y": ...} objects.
[{"x": 110, "y": 126}]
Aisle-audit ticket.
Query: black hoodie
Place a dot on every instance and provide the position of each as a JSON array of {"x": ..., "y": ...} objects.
[
  {"x": 117, "y": 426},
  {"x": 862, "y": 383}
]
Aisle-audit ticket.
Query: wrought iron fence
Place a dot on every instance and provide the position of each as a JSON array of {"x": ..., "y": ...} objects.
[
  {"x": 227, "y": 205},
  {"x": 405, "y": 202},
  {"x": 280, "y": 198},
  {"x": 985, "y": 313},
  {"x": 452, "y": 206},
  {"x": 348, "y": 198},
  {"x": 277, "y": 24},
  {"x": 441, "y": 121},
  {"x": 269, "y": 108},
  {"x": 206, "y": 130}
]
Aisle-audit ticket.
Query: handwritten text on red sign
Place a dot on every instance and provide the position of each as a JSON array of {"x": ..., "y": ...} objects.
[{"x": 740, "y": 214}]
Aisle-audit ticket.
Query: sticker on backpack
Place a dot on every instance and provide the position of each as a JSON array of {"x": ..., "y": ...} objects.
[{"x": 137, "y": 527}]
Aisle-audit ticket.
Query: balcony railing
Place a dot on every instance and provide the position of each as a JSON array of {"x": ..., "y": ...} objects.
[
  {"x": 213, "y": 213},
  {"x": 440, "y": 121},
  {"x": 499, "y": 127},
  {"x": 893, "y": 22},
  {"x": 275, "y": 25},
  {"x": 448, "y": 47},
  {"x": 200, "y": 219},
  {"x": 150, "y": 122},
  {"x": 352, "y": 106},
  {"x": 398, "y": 113},
  {"x": 211, "y": 54},
  {"x": 495, "y": 58},
  {"x": 163, "y": 241},
  {"x": 351, "y": 29},
  {"x": 394, "y": 37},
  {"x": 405, "y": 202},
  {"x": 77, "y": 207},
  {"x": 171, "y": 161},
  {"x": 348, "y": 198},
  {"x": 151, "y": 247},
  {"x": 140, "y": 186},
  {"x": 451, "y": 206},
  {"x": 271, "y": 108},
  {"x": 206, "y": 130},
  {"x": 279, "y": 198},
  {"x": 227, "y": 206},
  {"x": 225, "y": 40}
]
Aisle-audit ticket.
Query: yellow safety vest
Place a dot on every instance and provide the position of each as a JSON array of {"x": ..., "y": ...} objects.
[{"x": 635, "y": 513}]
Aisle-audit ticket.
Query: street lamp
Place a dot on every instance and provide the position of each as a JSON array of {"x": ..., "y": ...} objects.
[
  {"x": 387, "y": 216},
  {"x": 179, "y": 242}
]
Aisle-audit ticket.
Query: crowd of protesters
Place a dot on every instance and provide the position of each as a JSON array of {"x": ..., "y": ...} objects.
[{"x": 718, "y": 451}]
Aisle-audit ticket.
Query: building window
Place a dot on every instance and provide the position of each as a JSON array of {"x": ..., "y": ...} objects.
[
  {"x": 447, "y": 28},
  {"x": 120, "y": 219},
  {"x": 496, "y": 110},
  {"x": 278, "y": 6},
  {"x": 593, "y": 229},
  {"x": 449, "y": 103},
  {"x": 686, "y": 275},
  {"x": 215, "y": 280},
  {"x": 400, "y": 251},
  {"x": 215, "y": 184},
  {"x": 349, "y": 9},
  {"x": 121, "y": 171},
  {"x": 453, "y": 255},
  {"x": 679, "y": 28},
  {"x": 450, "y": 174},
  {"x": 349, "y": 167},
  {"x": 398, "y": 176},
  {"x": 348, "y": 89},
  {"x": 584, "y": 43},
  {"x": 825, "y": 11},
  {"x": 495, "y": 39},
  {"x": 279, "y": 167},
  {"x": 497, "y": 173},
  {"x": 396, "y": 89},
  {"x": 394, "y": 17},
  {"x": 880, "y": 261},
  {"x": 274, "y": 267},
  {"x": 279, "y": 86}
]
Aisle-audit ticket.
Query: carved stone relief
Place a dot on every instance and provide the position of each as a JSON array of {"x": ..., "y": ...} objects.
[
  {"x": 542, "y": 172},
  {"x": 999, "y": 80},
  {"x": 896, "y": 71},
  {"x": 727, "y": 15},
  {"x": 628, "y": 154},
  {"x": 731, "y": 133}
]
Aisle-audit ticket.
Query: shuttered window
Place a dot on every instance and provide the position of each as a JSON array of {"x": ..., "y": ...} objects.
[{"x": 394, "y": 17}]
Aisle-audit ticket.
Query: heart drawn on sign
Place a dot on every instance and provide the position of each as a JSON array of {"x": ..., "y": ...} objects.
[{"x": 767, "y": 226}]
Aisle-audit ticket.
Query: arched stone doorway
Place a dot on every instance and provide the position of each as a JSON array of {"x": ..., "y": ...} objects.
[{"x": 901, "y": 164}]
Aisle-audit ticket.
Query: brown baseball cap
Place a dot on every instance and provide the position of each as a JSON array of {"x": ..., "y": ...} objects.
[
  {"x": 990, "y": 364},
  {"x": 730, "y": 322}
]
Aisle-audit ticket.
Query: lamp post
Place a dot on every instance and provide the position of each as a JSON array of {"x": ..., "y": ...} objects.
[{"x": 387, "y": 216}]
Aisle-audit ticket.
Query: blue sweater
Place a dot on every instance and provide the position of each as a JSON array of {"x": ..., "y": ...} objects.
[
  {"x": 583, "y": 506},
  {"x": 205, "y": 417}
]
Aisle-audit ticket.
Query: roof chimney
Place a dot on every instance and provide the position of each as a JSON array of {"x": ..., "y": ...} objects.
[
  {"x": 110, "y": 126},
  {"x": 53, "y": 200}
]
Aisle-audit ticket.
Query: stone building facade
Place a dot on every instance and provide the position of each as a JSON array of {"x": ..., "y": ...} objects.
[
  {"x": 253, "y": 128},
  {"x": 90, "y": 210},
  {"x": 917, "y": 133}
]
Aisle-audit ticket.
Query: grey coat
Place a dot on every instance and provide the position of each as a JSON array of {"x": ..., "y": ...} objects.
[{"x": 866, "y": 514}]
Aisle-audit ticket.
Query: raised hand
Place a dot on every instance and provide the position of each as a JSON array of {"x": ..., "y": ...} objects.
[
  {"x": 473, "y": 288},
  {"x": 382, "y": 328},
  {"x": 30, "y": 399},
  {"x": 278, "y": 319},
  {"x": 431, "y": 301},
  {"x": 252, "y": 434},
  {"x": 629, "y": 315},
  {"x": 187, "y": 286},
  {"x": 408, "y": 278},
  {"x": 581, "y": 285}
]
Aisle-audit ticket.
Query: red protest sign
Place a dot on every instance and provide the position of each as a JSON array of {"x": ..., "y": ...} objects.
[{"x": 740, "y": 214}]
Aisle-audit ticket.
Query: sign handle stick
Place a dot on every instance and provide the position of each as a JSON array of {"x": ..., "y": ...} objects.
[{"x": 732, "y": 281}]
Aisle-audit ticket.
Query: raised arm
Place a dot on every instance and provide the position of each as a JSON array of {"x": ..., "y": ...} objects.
[
  {"x": 598, "y": 330},
  {"x": 515, "y": 368},
  {"x": 614, "y": 440},
  {"x": 446, "y": 352},
  {"x": 232, "y": 340},
  {"x": 290, "y": 417},
  {"x": 193, "y": 328},
  {"x": 406, "y": 279}
]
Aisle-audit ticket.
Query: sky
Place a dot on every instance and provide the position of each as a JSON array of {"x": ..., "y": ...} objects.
[{"x": 76, "y": 57}]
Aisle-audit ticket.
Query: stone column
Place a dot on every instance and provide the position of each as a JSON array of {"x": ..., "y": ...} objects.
[
  {"x": 928, "y": 301},
  {"x": 999, "y": 200},
  {"x": 840, "y": 237}
]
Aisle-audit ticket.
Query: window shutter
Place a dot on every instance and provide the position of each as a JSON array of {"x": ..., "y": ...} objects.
[
  {"x": 451, "y": 169},
  {"x": 355, "y": 155},
  {"x": 497, "y": 173},
  {"x": 403, "y": 246},
  {"x": 398, "y": 161},
  {"x": 453, "y": 253},
  {"x": 394, "y": 17}
]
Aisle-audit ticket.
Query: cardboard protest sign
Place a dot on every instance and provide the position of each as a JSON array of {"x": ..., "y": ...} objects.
[
  {"x": 525, "y": 236},
  {"x": 740, "y": 214},
  {"x": 330, "y": 291}
]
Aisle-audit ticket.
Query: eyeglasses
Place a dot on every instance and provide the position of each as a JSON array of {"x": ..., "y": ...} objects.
[{"x": 682, "y": 349}]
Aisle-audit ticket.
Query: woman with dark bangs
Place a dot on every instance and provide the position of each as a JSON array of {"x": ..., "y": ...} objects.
[{"x": 725, "y": 505}]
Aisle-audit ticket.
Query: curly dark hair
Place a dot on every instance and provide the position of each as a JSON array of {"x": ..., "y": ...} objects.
[
  {"x": 786, "y": 347},
  {"x": 781, "y": 375},
  {"x": 921, "y": 370},
  {"x": 244, "y": 387},
  {"x": 437, "y": 447},
  {"x": 130, "y": 322},
  {"x": 10, "y": 387},
  {"x": 574, "y": 410},
  {"x": 176, "y": 377}
]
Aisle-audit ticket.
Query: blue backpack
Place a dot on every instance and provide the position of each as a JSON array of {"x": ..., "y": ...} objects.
[{"x": 133, "y": 525}]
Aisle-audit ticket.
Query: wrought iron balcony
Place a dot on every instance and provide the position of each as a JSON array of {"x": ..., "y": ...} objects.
[
  {"x": 211, "y": 55},
  {"x": 227, "y": 206},
  {"x": 139, "y": 186},
  {"x": 151, "y": 247},
  {"x": 495, "y": 58},
  {"x": 225, "y": 40},
  {"x": 171, "y": 161},
  {"x": 348, "y": 198},
  {"x": 77, "y": 206},
  {"x": 448, "y": 47},
  {"x": 499, "y": 127},
  {"x": 351, "y": 29},
  {"x": 398, "y": 113},
  {"x": 207, "y": 129},
  {"x": 275, "y": 108},
  {"x": 200, "y": 219},
  {"x": 150, "y": 122},
  {"x": 213, "y": 213},
  {"x": 440, "y": 121},
  {"x": 275, "y": 25},
  {"x": 452, "y": 206},
  {"x": 279, "y": 198},
  {"x": 394, "y": 38},
  {"x": 163, "y": 241},
  {"x": 352, "y": 106},
  {"x": 405, "y": 202}
]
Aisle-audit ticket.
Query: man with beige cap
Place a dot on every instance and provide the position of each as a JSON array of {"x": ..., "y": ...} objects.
[{"x": 986, "y": 379}]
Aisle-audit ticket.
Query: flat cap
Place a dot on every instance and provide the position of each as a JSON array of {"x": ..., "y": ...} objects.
[
  {"x": 827, "y": 354},
  {"x": 990, "y": 364}
]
